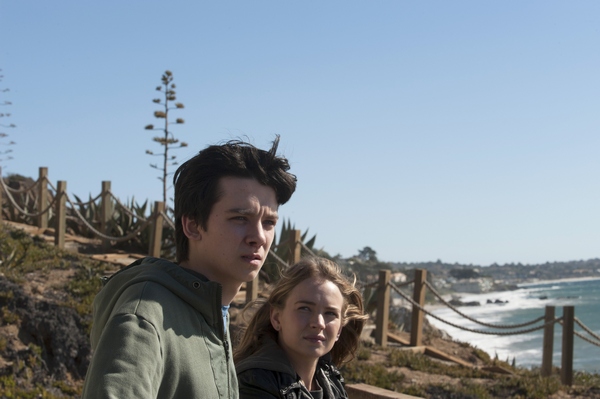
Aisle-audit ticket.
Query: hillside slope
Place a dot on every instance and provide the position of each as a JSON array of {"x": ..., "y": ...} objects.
[{"x": 45, "y": 303}]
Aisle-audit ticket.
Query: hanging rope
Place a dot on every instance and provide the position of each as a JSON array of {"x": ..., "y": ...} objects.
[
  {"x": 307, "y": 248},
  {"x": 469, "y": 329},
  {"x": 102, "y": 235},
  {"x": 583, "y": 337},
  {"x": 586, "y": 328},
  {"x": 20, "y": 190},
  {"x": 278, "y": 259},
  {"x": 91, "y": 201},
  {"x": 402, "y": 284},
  {"x": 281, "y": 244},
  {"x": 168, "y": 220},
  {"x": 52, "y": 186},
  {"x": 24, "y": 211},
  {"x": 126, "y": 209},
  {"x": 500, "y": 326},
  {"x": 373, "y": 284}
]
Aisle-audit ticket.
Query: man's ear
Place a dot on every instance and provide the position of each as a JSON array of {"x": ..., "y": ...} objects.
[{"x": 191, "y": 228}]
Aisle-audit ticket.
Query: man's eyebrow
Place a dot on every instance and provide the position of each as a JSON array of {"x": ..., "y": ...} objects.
[
  {"x": 249, "y": 211},
  {"x": 243, "y": 211}
]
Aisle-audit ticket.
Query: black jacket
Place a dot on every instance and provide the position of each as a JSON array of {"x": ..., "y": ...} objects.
[{"x": 268, "y": 374}]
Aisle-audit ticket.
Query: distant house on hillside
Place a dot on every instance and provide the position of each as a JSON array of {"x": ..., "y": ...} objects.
[
  {"x": 398, "y": 277},
  {"x": 473, "y": 285}
]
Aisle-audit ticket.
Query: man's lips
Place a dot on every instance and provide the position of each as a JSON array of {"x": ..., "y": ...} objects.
[{"x": 252, "y": 257}]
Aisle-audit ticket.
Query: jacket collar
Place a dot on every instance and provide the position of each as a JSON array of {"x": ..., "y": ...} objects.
[{"x": 191, "y": 287}]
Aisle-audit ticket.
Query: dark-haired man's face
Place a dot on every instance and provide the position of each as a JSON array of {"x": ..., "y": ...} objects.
[{"x": 239, "y": 232}]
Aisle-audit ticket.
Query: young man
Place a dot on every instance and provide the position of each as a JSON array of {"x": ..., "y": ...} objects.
[{"x": 160, "y": 328}]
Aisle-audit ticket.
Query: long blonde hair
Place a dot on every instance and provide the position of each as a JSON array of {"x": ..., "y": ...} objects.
[{"x": 353, "y": 317}]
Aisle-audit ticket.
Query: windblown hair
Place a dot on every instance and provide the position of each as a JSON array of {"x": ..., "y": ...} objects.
[
  {"x": 197, "y": 180},
  {"x": 353, "y": 318}
]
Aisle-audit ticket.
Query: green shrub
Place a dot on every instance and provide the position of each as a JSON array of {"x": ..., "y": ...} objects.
[
  {"x": 372, "y": 374},
  {"x": 363, "y": 353},
  {"x": 527, "y": 385},
  {"x": 8, "y": 316}
]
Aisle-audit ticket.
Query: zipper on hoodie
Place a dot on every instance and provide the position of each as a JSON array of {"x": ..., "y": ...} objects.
[{"x": 226, "y": 345}]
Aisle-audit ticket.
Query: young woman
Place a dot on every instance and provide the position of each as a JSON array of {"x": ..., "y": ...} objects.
[{"x": 311, "y": 322}]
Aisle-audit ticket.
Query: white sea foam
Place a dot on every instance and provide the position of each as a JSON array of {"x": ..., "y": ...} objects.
[
  {"x": 525, "y": 304},
  {"x": 526, "y": 348}
]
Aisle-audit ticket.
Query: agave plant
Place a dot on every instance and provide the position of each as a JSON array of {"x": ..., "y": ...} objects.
[
  {"x": 124, "y": 223},
  {"x": 272, "y": 268},
  {"x": 141, "y": 242},
  {"x": 89, "y": 211}
]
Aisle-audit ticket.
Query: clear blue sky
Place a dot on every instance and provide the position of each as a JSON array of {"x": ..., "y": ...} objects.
[{"x": 466, "y": 131}]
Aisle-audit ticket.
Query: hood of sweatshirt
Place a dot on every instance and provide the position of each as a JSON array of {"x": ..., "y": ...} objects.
[{"x": 192, "y": 288}]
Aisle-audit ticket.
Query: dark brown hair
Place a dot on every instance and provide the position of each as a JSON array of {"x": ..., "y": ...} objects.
[{"x": 197, "y": 180}]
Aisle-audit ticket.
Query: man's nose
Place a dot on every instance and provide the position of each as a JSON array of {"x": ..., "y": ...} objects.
[{"x": 256, "y": 235}]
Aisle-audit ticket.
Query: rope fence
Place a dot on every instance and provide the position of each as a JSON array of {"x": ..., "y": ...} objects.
[
  {"x": 133, "y": 214},
  {"x": 75, "y": 215},
  {"x": 499, "y": 326},
  {"x": 42, "y": 201},
  {"x": 428, "y": 313},
  {"x": 103, "y": 206},
  {"x": 12, "y": 200},
  {"x": 89, "y": 202},
  {"x": 583, "y": 337},
  {"x": 545, "y": 322}
]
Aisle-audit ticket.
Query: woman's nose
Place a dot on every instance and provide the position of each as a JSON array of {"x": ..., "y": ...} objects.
[{"x": 318, "y": 321}]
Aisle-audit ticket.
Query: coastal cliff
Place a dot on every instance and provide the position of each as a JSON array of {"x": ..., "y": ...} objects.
[{"x": 45, "y": 300}]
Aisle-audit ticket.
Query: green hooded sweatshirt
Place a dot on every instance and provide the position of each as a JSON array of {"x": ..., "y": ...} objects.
[{"x": 158, "y": 332}]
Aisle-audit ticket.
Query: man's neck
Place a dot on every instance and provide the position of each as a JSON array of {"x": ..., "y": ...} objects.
[
  {"x": 228, "y": 294},
  {"x": 228, "y": 291}
]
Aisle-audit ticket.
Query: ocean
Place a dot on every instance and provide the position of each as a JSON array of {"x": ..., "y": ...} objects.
[{"x": 522, "y": 305}]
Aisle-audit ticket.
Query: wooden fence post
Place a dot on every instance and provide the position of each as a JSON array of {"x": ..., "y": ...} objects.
[
  {"x": 548, "y": 346},
  {"x": 416, "y": 329},
  {"x": 566, "y": 370},
  {"x": 43, "y": 197},
  {"x": 61, "y": 214},
  {"x": 295, "y": 249},
  {"x": 252, "y": 290},
  {"x": 383, "y": 307},
  {"x": 106, "y": 211},
  {"x": 157, "y": 227}
]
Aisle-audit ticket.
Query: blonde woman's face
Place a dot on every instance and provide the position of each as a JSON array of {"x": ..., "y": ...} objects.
[{"x": 310, "y": 322}]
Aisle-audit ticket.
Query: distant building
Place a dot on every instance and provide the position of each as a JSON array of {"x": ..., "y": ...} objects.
[
  {"x": 398, "y": 277},
  {"x": 474, "y": 285}
]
